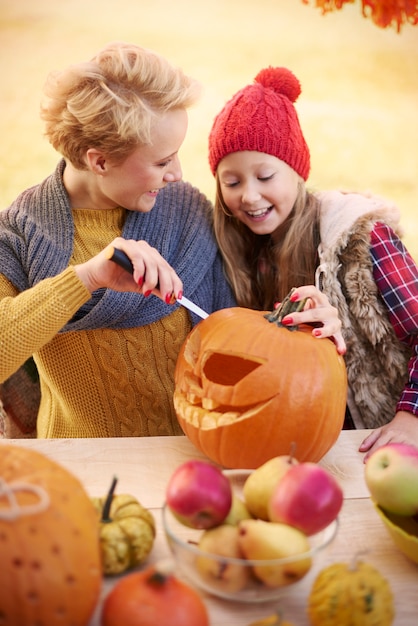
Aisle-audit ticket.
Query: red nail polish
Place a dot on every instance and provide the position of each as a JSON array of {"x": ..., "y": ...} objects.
[
  {"x": 168, "y": 298},
  {"x": 294, "y": 297},
  {"x": 287, "y": 321},
  {"x": 148, "y": 293},
  {"x": 180, "y": 295},
  {"x": 140, "y": 281},
  {"x": 316, "y": 332}
]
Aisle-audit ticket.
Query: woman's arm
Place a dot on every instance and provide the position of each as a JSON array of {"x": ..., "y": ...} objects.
[{"x": 32, "y": 318}]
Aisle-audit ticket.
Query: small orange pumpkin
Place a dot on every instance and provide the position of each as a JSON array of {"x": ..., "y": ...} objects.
[
  {"x": 247, "y": 389},
  {"x": 50, "y": 571},
  {"x": 153, "y": 597}
]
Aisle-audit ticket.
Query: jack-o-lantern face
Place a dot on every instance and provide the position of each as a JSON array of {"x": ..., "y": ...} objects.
[{"x": 247, "y": 390}]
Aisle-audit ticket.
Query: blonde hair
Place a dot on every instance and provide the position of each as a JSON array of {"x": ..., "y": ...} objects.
[
  {"x": 109, "y": 103},
  {"x": 261, "y": 270}
]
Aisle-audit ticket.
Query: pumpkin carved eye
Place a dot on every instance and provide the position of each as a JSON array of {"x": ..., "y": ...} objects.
[
  {"x": 247, "y": 390},
  {"x": 228, "y": 369}
]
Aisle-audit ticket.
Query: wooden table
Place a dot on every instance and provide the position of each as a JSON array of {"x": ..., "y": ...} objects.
[{"x": 144, "y": 465}]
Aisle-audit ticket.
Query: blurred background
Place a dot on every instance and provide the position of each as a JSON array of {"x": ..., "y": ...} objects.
[{"x": 358, "y": 107}]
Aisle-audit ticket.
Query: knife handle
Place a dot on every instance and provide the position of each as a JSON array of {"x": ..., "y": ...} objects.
[{"x": 120, "y": 258}]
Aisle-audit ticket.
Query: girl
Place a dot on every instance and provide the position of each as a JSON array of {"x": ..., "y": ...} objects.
[{"x": 275, "y": 234}]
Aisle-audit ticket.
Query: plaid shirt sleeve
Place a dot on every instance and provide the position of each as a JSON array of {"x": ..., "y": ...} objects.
[{"x": 396, "y": 276}]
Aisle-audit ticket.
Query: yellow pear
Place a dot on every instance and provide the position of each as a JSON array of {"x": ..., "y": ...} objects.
[
  {"x": 260, "y": 484},
  {"x": 217, "y": 572},
  {"x": 237, "y": 512},
  {"x": 262, "y": 541}
]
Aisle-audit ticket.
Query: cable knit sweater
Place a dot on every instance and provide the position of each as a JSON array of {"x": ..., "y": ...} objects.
[{"x": 105, "y": 360}]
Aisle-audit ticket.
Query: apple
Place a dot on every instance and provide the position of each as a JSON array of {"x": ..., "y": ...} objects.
[
  {"x": 198, "y": 494},
  {"x": 391, "y": 474},
  {"x": 307, "y": 497},
  {"x": 260, "y": 483}
]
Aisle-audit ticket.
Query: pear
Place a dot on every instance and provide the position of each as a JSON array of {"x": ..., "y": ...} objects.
[
  {"x": 261, "y": 541},
  {"x": 218, "y": 573},
  {"x": 260, "y": 485},
  {"x": 238, "y": 511}
]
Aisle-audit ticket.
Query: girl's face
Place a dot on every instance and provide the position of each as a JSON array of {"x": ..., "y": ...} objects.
[
  {"x": 258, "y": 189},
  {"x": 134, "y": 184}
]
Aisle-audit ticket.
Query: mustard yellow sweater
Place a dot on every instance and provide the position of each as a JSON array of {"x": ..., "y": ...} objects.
[{"x": 94, "y": 383}]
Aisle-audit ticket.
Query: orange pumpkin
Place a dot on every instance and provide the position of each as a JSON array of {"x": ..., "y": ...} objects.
[
  {"x": 50, "y": 571},
  {"x": 247, "y": 390},
  {"x": 153, "y": 597}
]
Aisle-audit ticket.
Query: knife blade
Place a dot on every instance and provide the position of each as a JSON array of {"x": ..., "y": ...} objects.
[{"x": 121, "y": 258}]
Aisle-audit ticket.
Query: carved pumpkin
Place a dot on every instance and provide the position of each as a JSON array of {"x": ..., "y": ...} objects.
[
  {"x": 50, "y": 571},
  {"x": 344, "y": 595},
  {"x": 246, "y": 389}
]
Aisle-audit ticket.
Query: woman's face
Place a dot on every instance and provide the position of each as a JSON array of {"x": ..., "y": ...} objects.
[
  {"x": 134, "y": 184},
  {"x": 258, "y": 189}
]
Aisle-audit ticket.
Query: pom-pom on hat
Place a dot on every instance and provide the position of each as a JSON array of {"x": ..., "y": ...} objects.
[{"x": 262, "y": 117}]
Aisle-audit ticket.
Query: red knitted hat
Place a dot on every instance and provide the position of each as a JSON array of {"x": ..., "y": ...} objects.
[{"x": 262, "y": 117}]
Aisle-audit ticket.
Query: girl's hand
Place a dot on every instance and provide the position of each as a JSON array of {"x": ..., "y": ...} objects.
[
  {"x": 151, "y": 273},
  {"x": 402, "y": 429},
  {"x": 317, "y": 309}
]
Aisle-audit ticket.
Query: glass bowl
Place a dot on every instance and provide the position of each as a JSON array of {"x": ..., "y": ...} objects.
[{"x": 237, "y": 580}]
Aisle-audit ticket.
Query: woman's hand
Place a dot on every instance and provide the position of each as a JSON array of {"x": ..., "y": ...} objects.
[
  {"x": 317, "y": 310},
  {"x": 151, "y": 273},
  {"x": 402, "y": 429}
]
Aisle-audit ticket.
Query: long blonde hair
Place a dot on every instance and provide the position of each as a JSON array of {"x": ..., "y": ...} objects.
[
  {"x": 262, "y": 271},
  {"x": 110, "y": 102}
]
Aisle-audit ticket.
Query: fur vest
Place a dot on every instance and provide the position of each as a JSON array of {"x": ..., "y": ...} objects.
[{"x": 345, "y": 276}]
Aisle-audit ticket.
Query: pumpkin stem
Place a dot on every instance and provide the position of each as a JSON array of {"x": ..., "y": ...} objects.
[
  {"x": 292, "y": 450},
  {"x": 286, "y": 307},
  {"x": 352, "y": 566},
  {"x": 108, "y": 502},
  {"x": 160, "y": 572}
]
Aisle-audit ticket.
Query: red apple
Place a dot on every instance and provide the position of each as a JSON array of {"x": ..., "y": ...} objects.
[
  {"x": 391, "y": 475},
  {"x": 307, "y": 497},
  {"x": 199, "y": 495}
]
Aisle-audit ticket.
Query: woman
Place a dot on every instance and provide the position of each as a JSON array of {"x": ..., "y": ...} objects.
[
  {"x": 105, "y": 342},
  {"x": 275, "y": 234}
]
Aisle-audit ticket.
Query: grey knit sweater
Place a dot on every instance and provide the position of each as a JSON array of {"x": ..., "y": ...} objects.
[{"x": 36, "y": 241}]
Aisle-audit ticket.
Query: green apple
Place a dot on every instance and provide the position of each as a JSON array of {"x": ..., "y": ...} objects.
[
  {"x": 261, "y": 482},
  {"x": 265, "y": 541},
  {"x": 391, "y": 475}
]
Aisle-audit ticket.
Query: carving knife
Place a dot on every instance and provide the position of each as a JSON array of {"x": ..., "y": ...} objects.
[{"x": 121, "y": 258}]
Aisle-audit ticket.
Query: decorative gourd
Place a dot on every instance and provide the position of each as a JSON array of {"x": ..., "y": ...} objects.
[
  {"x": 153, "y": 597},
  {"x": 50, "y": 571},
  {"x": 247, "y": 388},
  {"x": 127, "y": 531},
  {"x": 274, "y": 619},
  {"x": 344, "y": 595}
]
